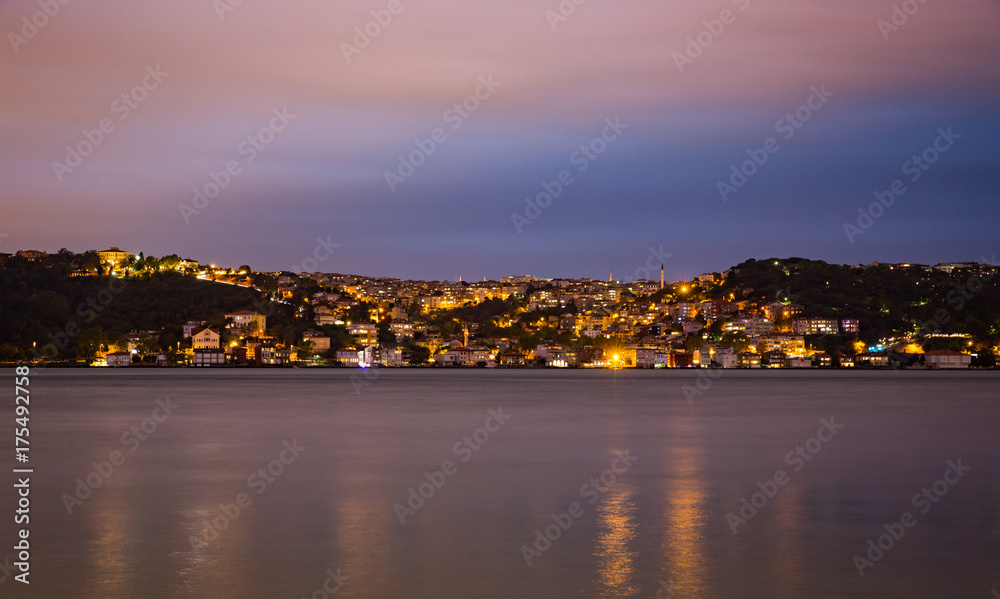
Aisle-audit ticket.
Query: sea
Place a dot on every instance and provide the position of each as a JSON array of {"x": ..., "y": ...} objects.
[{"x": 499, "y": 484}]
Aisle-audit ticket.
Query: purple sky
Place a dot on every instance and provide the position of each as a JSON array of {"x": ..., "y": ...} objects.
[{"x": 655, "y": 185}]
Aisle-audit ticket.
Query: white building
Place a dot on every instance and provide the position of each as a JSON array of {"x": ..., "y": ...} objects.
[
  {"x": 947, "y": 359},
  {"x": 205, "y": 338},
  {"x": 119, "y": 359}
]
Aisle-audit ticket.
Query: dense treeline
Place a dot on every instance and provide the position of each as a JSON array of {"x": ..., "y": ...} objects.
[
  {"x": 42, "y": 305},
  {"x": 887, "y": 301}
]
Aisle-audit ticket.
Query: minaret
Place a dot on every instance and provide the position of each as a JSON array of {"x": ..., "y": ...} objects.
[
  {"x": 466, "y": 344},
  {"x": 611, "y": 276},
  {"x": 661, "y": 275}
]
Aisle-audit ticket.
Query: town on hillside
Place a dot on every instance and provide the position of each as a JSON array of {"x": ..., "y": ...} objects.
[{"x": 791, "y": 313}]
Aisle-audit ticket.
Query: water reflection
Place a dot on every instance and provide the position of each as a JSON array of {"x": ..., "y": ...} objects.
[
  {"x": 684, "y": 520},
  {"x": 112, "y": 560},
  {"x": 616, "y": 518}
]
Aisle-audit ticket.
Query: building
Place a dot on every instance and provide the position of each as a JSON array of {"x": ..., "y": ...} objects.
[
  {"x": 748, "y": 360},
  {"x": 793, "y": 345},
  {"x": 681, "y": 360},
  {"x": 684, "y": 311},
  {"x": 31, "y": 254},
  {"x": 190, "y": 326},
  {"x": 394, "y": 357},
  {"x": 114, "y": 257},
  {"x": 561, "y": 358},
  {"x": 120, "y": 358},
  {"x": 401, "y": 329},
  {"x": 645, "y": 357},
  {"x": 269, "y": 355},
  {"x": 815, "y": 326},
  {"x": 869, "y": 359},
  {"x": 778, "y": 310},
  {"x": 774, "y": 359},
  {"x": 321, "y": 342},
  {"x": 947, "y": 359},
  {"x": 799, "y": 362},
  {"x": 726, "y": 359},
  {"x": 850, "y": 326},
  {"x": 823, "y": 360},
  {"x": 752, "y": 327},
  {"x": 465, "y": 356},
  {"x": 364, "y": 333},
  {"x": 208, "y": 357},
  {"x": 349, "y": 357},
  {"x": 511, "y": 358},
  {"x": 248, "y": 321},
  {"x": 206, "y": 338}
]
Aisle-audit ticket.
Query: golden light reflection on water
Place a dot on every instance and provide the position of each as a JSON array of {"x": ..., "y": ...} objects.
[
  {"x": 111, "y": 551},
  {"x": 684, "y": 522},
  {"x": 363, "y": 543},
  {"x": 616, "y": 517},
  {"x": 788, "y": 511}
]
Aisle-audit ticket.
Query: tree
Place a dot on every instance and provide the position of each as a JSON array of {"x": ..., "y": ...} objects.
[
  {"x": 693, "y": 342},
  {"x": 147, "y": 345},
  {"x": 170, "y": 262},
  {"x": 420, "y": 355},
  {"x": 386, "y": 338},
  {"x": 91, "y": 262},
  {"x": 737, "y": 340},
  {"x": 306, "y": 350},
  {"x": 90, "y": 342}
]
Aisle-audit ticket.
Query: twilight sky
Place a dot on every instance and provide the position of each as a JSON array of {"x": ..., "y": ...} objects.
[{"x": 323, "y": 174}]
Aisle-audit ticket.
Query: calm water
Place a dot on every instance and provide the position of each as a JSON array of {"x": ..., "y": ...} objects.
[{"x": 663, "y": 518}]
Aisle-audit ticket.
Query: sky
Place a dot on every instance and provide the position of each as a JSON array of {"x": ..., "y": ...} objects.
[{"x": 346, "y": 149}]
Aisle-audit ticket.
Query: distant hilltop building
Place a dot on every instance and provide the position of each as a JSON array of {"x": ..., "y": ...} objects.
[
  {"x": 31, "y": 254},
  {"x": 114, "y": 256}
]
